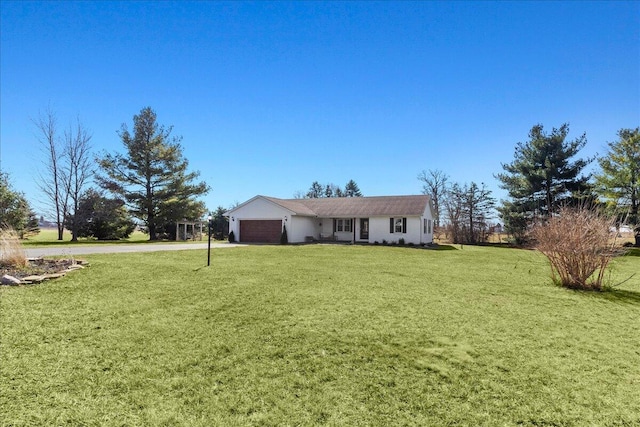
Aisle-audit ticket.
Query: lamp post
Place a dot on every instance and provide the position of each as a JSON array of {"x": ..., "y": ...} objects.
[{"x": 209, "y": 244}]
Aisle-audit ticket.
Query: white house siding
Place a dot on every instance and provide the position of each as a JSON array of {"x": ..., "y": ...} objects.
[
  {"x": 327, "y": 227},
  {"x": 302, "y": 225},
  {"x": 257, "y": 209},
  {"x": 427, "y": 237},
  {"x": 379, "y": 231},
  {"x": 299, "y": 227}
]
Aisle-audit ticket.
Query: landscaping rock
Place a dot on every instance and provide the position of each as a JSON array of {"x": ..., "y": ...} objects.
[
  {"x": 10, "y": 280},
  {"x": 40, "y": 270},
  {"x": 34, "y": 279}
]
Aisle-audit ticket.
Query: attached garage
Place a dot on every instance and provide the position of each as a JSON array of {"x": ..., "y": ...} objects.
[
  {"x": 260, "y": 231},
  {"x": 357, "y": 219}
]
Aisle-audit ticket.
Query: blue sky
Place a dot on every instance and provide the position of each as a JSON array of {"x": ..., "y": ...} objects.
[{"x": 270, "y": 97}]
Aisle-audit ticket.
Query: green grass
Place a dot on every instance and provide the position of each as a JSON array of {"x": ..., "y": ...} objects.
[{"x": 321, "y": 335}]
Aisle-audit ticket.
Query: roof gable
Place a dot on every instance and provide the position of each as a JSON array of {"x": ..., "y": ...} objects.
[{"x": 260, "y": 199}]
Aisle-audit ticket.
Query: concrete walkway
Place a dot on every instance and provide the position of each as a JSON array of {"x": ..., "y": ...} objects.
[{"x": 120, "y": 248}]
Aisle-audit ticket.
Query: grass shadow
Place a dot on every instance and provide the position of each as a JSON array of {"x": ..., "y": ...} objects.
[
  {"x": 509, "y": 246},
  {"x": 632, "y": 252},
  {"x": 621, "y": 296},
  {"x": 444, "y": 248}
]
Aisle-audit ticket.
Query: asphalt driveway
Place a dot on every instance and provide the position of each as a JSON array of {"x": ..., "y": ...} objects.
[{"x": 120, "y": 248}]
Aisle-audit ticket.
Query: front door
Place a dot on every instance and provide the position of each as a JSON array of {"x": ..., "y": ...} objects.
[{"x": 364, "y": 228}]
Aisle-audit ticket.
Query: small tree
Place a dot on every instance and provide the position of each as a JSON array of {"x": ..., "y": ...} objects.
[
  {"x": 15, "y": 212},
  {"x": 220, "y": 223},
  {"x": 101, "y": 217},
  {"x": 284, "y": 239},
  {"x": 577, "y": 243}
]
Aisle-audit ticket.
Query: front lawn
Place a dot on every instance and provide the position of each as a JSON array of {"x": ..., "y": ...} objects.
[{"x": 320, "y": 335}]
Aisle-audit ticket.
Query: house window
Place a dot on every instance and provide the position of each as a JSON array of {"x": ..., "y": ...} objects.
[
  {"x": 424, "y": 226},
  {"x": 397, "y": 225},
  {"x": 343, "y": 225},
  {"x": 429, "y": 227}
]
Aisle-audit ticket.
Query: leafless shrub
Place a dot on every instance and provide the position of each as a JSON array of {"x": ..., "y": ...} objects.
[
  {"x": 578, "y": 243},
  {"x": 11, "y": 252}
]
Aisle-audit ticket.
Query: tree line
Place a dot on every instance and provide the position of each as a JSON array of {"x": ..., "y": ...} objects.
[
  {"x": 317, "y": 191},
  {"x": 462, "y": 211},
  {"x": 148, "y": 185},
  {"x": 546, "y": 174}
]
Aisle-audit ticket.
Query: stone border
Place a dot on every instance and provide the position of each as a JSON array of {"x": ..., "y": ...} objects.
[{"x": 77, "y": 264}]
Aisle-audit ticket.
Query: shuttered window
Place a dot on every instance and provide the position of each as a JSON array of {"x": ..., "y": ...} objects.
[{"x": 397, "y": 225}]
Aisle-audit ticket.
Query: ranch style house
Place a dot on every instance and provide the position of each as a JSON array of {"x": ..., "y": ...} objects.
[{"x": 344, "y": 219}]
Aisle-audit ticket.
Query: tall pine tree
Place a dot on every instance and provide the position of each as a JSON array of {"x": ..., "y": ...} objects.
[
  {"x": 152, "y": 176},
  {"x": 619, "y": 179},
  {"x": 542, "y": 176},
  {"x": 351, "y": 189}
]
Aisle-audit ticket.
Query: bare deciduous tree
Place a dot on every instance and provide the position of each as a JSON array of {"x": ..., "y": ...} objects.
[
  {"x": 67, "y": 166},
  {"x": 435, "y": 184},
  {"x": 469, "y": 208},
  {"x": 77, "y": 169},
  {"x": 52, "y": 179}
]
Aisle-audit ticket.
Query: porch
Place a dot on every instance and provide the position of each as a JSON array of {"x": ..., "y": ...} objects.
[{"x": 342, "y": 230}]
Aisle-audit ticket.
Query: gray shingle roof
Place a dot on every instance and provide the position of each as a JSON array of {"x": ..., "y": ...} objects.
[{"x": 356, "y": 206}]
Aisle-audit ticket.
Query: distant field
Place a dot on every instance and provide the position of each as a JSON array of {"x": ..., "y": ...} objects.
[
  {"x": 321, "y": 335},
  {"x": 619, "y": 240},
  {"x": 48, "y": 236}
]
